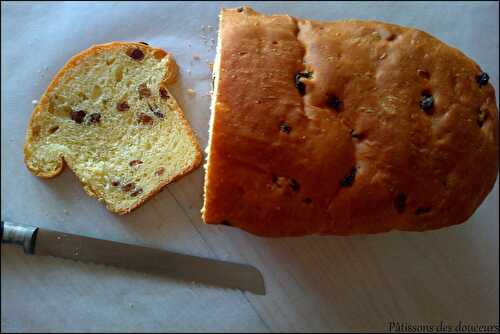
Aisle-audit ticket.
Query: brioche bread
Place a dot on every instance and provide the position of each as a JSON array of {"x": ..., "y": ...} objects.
[
  {"x": 109, "y": 117},
  {"x": 345, "y": 127}
]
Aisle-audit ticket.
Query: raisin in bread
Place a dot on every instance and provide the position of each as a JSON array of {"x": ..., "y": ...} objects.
[
  {"x": 345, "y": 127},
  {"x": 109, "y": 117}
]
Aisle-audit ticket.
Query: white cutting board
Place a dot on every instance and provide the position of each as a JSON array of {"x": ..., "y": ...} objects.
[{"x": 313, "y": 283}]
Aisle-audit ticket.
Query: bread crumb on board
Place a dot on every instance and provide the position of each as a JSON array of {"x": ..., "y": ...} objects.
[
  {"x": 191, "y": 92},
  {"x": 34, "y": 102}
]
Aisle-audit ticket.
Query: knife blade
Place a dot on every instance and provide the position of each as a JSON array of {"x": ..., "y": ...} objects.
[{"x": 45, "y": 242}]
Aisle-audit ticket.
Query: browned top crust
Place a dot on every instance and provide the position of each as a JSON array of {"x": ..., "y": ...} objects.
[{"x": 395, "y": 130}]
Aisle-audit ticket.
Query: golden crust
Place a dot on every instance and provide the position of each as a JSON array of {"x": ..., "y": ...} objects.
[
  {"x": 357, "y": 153},
  {"x": 170, "y": 78}
]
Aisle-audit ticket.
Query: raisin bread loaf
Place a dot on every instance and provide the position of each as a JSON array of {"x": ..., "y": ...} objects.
[
  {"x": 345, "y": 127},
  {"x": 109, "y": 116}
]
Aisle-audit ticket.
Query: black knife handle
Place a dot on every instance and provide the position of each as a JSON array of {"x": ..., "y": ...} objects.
[{"x": 22, "y": 235}]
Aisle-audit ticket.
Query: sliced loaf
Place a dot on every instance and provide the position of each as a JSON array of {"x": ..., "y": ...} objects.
[{"x": 109, "y": 117}]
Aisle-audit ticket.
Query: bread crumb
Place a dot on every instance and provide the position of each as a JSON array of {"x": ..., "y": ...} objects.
[
  {"x": 191, "y": 92},
  {"x": 34, "y": 102},
  {"x": 196, "y": 57},
  {"x": 211, "y": 66}
]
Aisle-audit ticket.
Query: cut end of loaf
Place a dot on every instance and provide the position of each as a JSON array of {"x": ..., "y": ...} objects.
[
  {"x": 215, "y": 78},
  {"x": 109, "y": 117}
]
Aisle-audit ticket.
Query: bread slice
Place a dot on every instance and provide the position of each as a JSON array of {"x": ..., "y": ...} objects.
[
  {"x": 109, "y": 117},
  {"x": 345, "y": 127}
]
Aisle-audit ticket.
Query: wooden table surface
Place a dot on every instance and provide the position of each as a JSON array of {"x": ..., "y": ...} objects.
[{"x": 314, "y": 283}]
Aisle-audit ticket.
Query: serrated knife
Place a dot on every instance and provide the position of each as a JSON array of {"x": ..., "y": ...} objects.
[{"x": 40, "y": 241}]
